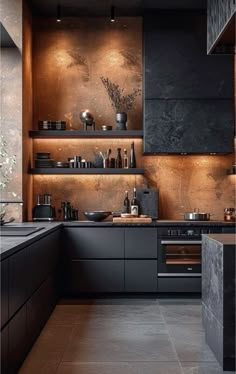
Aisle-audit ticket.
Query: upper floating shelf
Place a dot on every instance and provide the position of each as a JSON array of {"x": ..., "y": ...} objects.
[{"x": 130, "y": 134}]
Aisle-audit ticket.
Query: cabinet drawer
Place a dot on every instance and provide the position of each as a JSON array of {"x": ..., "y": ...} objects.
[
  {"x": 179, "y": 285},
  {"x": 94, "y": 242},
  {"x": 4, "y": 292},
  {"x": 95, "y": 276},
  {"x": 18, "y": 280},
  {"x": 141, "y": 243},
  {"x": 140, "y": 275}
]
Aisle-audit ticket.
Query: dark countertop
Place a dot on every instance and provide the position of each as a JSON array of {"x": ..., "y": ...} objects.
[
  {"x": 10, "y": 245},
  {"x": 155, "y": 223}
]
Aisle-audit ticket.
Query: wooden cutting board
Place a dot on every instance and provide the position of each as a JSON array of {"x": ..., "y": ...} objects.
[{"x": 132, "y": 220}]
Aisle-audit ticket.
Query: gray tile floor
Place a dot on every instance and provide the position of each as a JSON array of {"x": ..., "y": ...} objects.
[{"x": 123, "y": 336}]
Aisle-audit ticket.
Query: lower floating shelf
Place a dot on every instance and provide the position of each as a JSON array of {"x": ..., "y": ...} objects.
[{"x": 91, "y": 171}]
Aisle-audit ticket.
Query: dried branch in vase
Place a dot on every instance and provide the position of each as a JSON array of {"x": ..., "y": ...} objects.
[{"x": 119, "y": 101}]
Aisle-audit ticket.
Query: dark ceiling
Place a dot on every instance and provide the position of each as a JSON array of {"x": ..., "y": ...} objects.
[{"x": 102, "y": 7}]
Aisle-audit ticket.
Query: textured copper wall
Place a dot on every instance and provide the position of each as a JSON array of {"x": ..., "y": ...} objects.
[
  {"x": 27, "y": 111},
  {"x": 71, "y": 56},
  {"x": 68, "y": 60}
]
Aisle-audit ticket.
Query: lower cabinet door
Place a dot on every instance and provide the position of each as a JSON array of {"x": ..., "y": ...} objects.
[
  {"x": 17, "y": 340},
  {"x": 38, "y": 309},
  {"x": 4, "y": 351},
  {"x": 4, "y": 292},
  {"x": 140, "y": 275},
  {"x": 95, "y": 276}
]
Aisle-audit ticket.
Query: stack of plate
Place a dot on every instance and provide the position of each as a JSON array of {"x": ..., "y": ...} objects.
[
  {"x": 49, "y": 163},
  {"x": 43, "y": 160}
]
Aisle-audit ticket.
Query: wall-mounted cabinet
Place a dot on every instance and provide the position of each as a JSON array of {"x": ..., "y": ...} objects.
[{"x": 188, "y": 96}]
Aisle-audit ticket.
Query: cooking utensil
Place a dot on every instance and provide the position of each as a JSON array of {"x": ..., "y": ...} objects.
[
  {"x": 197, "y": 216},
  {"x": 106, "y": 128},
  {"x": 61, "y": 164},
  {"x": 97, "y": 215}
]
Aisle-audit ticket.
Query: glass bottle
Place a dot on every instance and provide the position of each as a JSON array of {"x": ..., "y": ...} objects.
[
  {"x": 118, "y": 158},
  {"x": 134, "y": 204},
  {"x": 126, "y": 203},
  {"x": 132, "y": 160},
  {"x": 125, "y": 160}
]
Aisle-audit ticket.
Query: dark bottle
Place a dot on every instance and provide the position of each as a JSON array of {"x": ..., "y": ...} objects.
[
  {"x": 126, "y": 203},
  {"x": 132, "y": 160},
  {"x": 118, "y": 158},
  {"x": 134, "y": 204}
]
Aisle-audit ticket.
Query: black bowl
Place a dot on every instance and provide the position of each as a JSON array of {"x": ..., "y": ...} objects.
[{"x": 97, "y": 216}]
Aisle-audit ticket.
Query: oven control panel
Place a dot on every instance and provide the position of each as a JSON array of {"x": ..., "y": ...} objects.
[{"x": 188, "y": 232}]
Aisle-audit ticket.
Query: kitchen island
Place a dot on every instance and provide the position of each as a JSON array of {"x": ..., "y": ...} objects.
[{"x": 218, "y": 296}]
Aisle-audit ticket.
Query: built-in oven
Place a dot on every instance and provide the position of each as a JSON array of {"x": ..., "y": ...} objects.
[{"x": 179, "y": 258}]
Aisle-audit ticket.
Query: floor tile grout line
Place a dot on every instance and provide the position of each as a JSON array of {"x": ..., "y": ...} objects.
[{"x": 172, "y": 344}]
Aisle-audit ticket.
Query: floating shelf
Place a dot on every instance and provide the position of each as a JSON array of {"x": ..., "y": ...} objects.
[
  {"x": 129, "y": 134},
  {"x": 89, "y": 171}
]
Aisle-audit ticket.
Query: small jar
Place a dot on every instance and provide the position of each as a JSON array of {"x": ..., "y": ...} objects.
[{"x": 229, "y": 214}]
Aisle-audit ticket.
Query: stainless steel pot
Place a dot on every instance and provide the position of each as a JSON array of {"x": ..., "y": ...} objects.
[{"x": 197, "y": 216}]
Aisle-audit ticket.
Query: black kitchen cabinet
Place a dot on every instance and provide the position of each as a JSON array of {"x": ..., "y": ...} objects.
[
  {"x": 4, "y": 351},
  {"x": 30, "y": 277},
  {"x": 43, "y": 257},
  {"x": 38, "y": 308},
  {"x": 188, "y": 126},
  {"x": 88, "y": 276},
  {"x": 179, "y": 285},
  {"x": 141, "y": 275},
  {"x": 140, "y": 260},
  {"x": 4, "y": 292},
  {"x": 94, "y": 242},
  {"x": 17, "y": 340},
  {"x": 141, "y": 243},
  {"x": 188, "y": 96},
  {"x": 18, "y": 280}
]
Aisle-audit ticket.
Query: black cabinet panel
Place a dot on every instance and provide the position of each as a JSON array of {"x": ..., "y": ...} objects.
[
  {"x": 176, "y": 61},
  {"x": 190, "y": 126},
  {"x": 39, "y": 307},
  {"x": 42, "y": 260},
  {"x": 4, "y": 292},
  {"x": 179, "y": 285},
  {"x": 140, "y": 275},
  {"x": 94, "y": 242},
  {"x": 17, "y": 340},
  {"x": 18, "y": 280},
  {"x": 140, "y": 243},
  {"x": 4, "y": 351},
  {"x": 95, "y": 276}
]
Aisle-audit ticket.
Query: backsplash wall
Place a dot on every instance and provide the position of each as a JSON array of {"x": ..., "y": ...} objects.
[{"x": 68, "y": 60}]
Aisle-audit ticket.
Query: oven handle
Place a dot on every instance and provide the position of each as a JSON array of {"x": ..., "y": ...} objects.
[
  {"x": 181, "y": 242},
  {"x": 176, "y": 275}
]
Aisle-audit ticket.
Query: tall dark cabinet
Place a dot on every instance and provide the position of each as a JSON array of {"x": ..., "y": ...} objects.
[{"x": 188, "y": 96}]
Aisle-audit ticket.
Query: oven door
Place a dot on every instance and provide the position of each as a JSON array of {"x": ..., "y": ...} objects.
[{"x": 179, "y": 258}]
